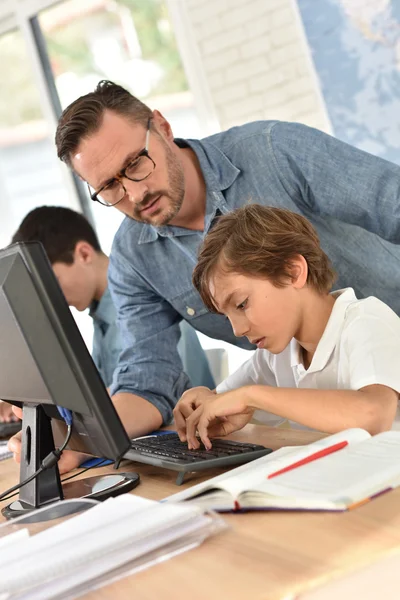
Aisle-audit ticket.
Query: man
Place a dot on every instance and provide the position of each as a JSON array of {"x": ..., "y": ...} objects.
[{"x": 171, "y": 192}]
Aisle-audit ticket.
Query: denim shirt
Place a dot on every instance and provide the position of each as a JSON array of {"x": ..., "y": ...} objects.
[
  {"x": 351, "y": 197},
  {"x": 107, "y": 345}
]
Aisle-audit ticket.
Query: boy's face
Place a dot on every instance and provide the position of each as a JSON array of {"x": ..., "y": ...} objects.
[
  {"x": 77, "y": 282},
  {"x": 268, "y": 316}
]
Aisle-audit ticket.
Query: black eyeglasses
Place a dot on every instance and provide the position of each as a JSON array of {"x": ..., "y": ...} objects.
[{"x": 138, "y": 169}]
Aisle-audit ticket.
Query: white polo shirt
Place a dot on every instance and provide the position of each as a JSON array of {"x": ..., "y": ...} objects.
[{"x": 360, "y": 346}]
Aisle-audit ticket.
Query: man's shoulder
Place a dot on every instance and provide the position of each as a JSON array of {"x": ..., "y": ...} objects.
[
  {"x": 224, "y": 140},
  {"x": 241, "y": 133}
]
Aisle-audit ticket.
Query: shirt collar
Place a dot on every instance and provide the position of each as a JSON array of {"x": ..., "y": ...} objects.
[
  {"x": 103, "y": 310},
  {"x": 219, "y": 173},
  {"x": 332, "y": 331}
]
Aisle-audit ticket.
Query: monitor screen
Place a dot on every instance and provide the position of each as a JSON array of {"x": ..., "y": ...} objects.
[{"x": 43, "y": 358}]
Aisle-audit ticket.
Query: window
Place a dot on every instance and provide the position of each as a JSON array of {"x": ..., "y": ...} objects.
[
  {"x": 130, "y": 42},
  {"x": 30, "y": 174}
]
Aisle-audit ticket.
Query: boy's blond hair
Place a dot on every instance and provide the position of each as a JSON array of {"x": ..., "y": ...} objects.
[{"x": 261, "y": 242}]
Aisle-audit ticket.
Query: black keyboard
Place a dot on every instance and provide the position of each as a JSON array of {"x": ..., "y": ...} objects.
[{"x": 168, "y": 451}]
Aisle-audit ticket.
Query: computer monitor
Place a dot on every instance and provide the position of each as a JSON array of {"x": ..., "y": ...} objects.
[{"x": 44, "y": 363}]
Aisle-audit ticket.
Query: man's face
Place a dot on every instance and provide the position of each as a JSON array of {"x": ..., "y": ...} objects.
[
  {"x": 77, "y": 283},
  {"x": 100, "y": 157}
]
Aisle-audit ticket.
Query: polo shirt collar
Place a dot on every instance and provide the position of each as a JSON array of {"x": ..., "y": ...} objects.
[
  {"x": 219, "y": 173},
  {"x": 331, "y": 334}
]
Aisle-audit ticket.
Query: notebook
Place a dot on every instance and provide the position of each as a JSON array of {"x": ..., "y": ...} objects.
[
  {"x": 336, "y": 473},
  {"x": 107, "y": 541}
]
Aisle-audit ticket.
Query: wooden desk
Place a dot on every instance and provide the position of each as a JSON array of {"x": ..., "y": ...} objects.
[{"x": 262, "y": 556}]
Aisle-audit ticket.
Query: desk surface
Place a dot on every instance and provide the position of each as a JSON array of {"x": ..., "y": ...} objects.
[{"x": 262, "y": 556}]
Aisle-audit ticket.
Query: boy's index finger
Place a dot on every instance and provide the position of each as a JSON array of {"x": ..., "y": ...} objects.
[{"x": 202, "y": 428}]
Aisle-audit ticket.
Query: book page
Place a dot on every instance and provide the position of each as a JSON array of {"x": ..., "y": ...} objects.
[
  {"x": 352, "y": 474},
  {"x": 249, "y": 475}
]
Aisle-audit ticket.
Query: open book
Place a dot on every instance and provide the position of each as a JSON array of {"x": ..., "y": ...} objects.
[{"x": 336, "y": 473}]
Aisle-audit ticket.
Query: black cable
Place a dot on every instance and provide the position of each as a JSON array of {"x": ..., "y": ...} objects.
[
  {"x": 84, "y": 470},
  {"x": 67, "y": 478},
  {"x": 49, "y": 461}
]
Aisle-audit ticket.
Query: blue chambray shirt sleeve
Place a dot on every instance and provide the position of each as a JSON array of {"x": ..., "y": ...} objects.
[
  {"x": 333, "y": 179},
  {"x": 149, "y": 364}
]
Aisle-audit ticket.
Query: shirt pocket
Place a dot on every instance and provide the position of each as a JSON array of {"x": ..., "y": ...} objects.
[{"x": 189, "y": 305}]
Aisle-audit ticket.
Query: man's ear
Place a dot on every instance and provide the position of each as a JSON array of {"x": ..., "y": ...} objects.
[
  {"x": 298, "y": 271},
  {"x": 84, "y": 253},
  {"x": 162, "y": 126}
]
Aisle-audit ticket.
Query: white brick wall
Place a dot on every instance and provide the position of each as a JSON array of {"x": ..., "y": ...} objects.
[{"x": 256, "y": 61}]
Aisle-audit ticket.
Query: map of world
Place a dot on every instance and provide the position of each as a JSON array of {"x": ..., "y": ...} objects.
[{"x": 355, "y": 46}]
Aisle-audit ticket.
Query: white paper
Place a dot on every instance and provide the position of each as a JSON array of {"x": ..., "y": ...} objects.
[
  {"x": 95, "y": 535},
  {"x": 13, "y": 538},
  {"x": 352, "y": 473}
]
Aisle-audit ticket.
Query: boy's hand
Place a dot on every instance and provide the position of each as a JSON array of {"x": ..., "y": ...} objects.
[
  {"x": 6, "y": 413},
  {"x": 190, "y": 401},
  {"x": 224, "y": 414}
]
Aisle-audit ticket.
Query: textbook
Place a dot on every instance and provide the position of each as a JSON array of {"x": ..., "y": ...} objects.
[{"x": 336, "y": 473}]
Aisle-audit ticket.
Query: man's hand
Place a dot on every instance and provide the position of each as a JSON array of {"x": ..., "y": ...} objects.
[
  {"x": 6, "y": 413},
  {"x": 190, "y": 401},
  {"x": 222, "y": 415},
  {"x": 69, "y": 460}
]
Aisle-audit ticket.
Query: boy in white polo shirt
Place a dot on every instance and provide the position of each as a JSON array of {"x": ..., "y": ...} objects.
[{"x": 324, "y": 361}]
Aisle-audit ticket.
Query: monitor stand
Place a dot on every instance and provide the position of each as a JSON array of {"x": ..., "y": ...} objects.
[{"x": 46, "y": 488}]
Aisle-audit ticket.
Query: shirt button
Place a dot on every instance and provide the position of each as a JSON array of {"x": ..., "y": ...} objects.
[{"x": 190, "y": 311}]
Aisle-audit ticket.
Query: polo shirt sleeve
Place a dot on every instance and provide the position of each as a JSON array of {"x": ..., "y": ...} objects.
[
  {"x": 256, "y": 370},
  {"x": 371, "y": 343}
]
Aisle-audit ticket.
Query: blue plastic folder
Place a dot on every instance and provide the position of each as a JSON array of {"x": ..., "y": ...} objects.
[{"x": 94, "y": 462}]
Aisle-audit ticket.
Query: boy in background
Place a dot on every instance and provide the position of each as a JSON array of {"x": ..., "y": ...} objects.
[{"x": 326, "y": 361}]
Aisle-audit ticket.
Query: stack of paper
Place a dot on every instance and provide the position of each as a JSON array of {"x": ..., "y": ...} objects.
[{"x": 86, "y": 550}]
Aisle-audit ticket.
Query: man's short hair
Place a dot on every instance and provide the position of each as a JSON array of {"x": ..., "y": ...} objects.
[
  {"x": 59, "y": 229},
  {"x": 85, "y": 115},
  {"x": 261, "y": 242}
]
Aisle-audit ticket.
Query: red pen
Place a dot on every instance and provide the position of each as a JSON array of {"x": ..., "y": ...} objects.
[{"x": 308, "y": 459}]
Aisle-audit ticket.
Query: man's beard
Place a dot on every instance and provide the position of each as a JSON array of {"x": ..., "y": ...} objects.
[{"x": 174, "y": 194}]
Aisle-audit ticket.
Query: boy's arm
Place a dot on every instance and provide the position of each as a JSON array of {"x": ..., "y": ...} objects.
[
  {"x": 193, "y": 399},
  {"x": 372, "y": 408}
]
